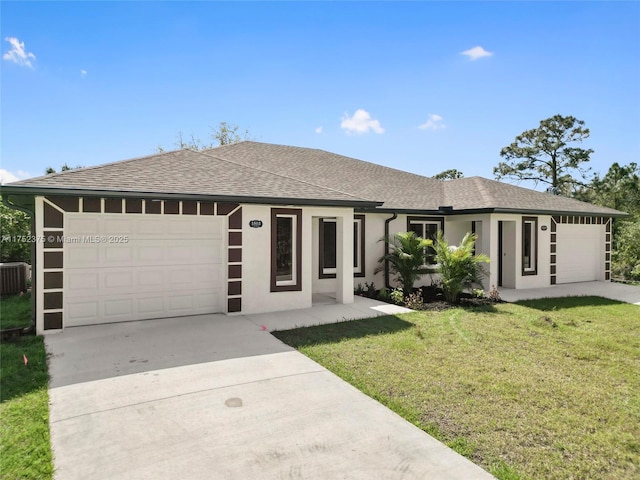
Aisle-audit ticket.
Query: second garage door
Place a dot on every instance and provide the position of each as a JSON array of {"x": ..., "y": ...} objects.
[
  {"x": 580, "y": 253},
  {"x": 122, "y": 267}
]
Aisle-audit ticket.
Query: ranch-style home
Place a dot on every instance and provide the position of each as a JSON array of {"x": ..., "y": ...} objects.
[{"x": 254, "y": 227}]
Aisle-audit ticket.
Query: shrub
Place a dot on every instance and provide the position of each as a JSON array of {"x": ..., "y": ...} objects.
[
  {"x": 397, "y": 296},
  {"x": 407, "y": 257},
  {"x": 458, "y": 267},
  {"x": 414, "y": 300}
]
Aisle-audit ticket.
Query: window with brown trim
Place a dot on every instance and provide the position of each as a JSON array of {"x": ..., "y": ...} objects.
[
  {"x": 426, "y": 227},
  {"x": 529, "y": 245},
  {"x": 328, "y": 242},
  {"x": 286, "y": 250}
]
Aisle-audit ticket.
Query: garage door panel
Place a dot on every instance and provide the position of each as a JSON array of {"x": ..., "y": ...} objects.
[
  {"x": 155, "y": 274},
  {"x": 81, "y": 312},
  {"x": 117, "y": 225},
  {"x": 118, "y": 307},
  {"x": 579, "y": 253},
  {"x": 81, "y": 283},
  {"x": 81, "y": 255},
  {"x": 116, "y": 254},
  {"x": 80, "y": 226},
  {"x": 150, "y": 226}
]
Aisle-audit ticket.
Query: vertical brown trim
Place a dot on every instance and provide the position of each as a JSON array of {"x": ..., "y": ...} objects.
[
  {"x": 153, "y": 207},
  {"x": 226, "y": 208},
  {"x": 235, "y": 255},
  {"x": 91, "y": 205},
  {"x": 553, "y": 245},
  {"x": 235, "y": 239},
  {"x": 321, "y": 274},
  {"x": 68, "y": 204},
  {"x": 234, "y": 305},
  {"x": 53, "y": 260},
  {"x": 207, "y": 208},
  {"x": 234, "y": 288},
  {"x": 53, "y": 217},
  {"x": 172, "y": 207},
  {"x": 363, "y": 235},
  {"x": 53, "y": 321},
  {"x": 235, "y": 220},
  {"x": 297, "y": 213},
  {"x": 112, "y": 205},
  {"x": 52, "y": 301},
  {"x": 133, "y": 205},
  {"x": 534, "y": 247},
  {"x": 189, "y": 207}
]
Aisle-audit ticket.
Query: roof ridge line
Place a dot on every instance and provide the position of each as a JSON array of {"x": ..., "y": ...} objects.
[{"x": 285, "y": 176}]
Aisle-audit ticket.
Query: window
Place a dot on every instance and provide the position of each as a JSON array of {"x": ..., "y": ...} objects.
[
  {"x": 327, "y": 247},
  {"x": 426, "y": 227},
  {"x": 286, "y": 255},
  {"x": 529, "y": 245}
]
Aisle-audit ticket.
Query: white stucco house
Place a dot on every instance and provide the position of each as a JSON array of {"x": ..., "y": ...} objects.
[{"x": 254, "y": 227}]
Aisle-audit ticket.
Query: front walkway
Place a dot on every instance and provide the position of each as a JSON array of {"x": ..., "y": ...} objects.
[
  {"x": 611, "y": 290},
  {"x": 325, "y": 310}
]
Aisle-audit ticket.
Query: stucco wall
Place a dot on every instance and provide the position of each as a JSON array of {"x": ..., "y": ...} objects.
[{"x": 256, "y": 270}]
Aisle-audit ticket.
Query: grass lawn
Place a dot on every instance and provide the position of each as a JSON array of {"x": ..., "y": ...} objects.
[
  {"x": 25, "y": 451},
  {"x": 541, "y": 389},
  {"x": 15, "y": 311}
]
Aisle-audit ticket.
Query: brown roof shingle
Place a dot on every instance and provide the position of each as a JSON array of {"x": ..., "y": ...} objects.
[{"x": 267, "y": 171}]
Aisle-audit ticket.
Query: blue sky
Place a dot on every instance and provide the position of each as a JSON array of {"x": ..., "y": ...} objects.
[{"x": 85, "y": 83}]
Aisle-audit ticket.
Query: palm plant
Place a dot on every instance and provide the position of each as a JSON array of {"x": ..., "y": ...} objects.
[
  {"x": 407, "y": 258},
  {"x": 458, "y": 267}
]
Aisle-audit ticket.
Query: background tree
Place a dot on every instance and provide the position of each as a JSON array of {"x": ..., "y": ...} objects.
[
  {"x": 223, "y": 134},
  {"x": 450, "y": 174},
  {"x": 14, "y": 224},
  {"x": 546, "y": 154},
  {"x": 64, "y": 168},
  {"x": 620, "y": 189}
]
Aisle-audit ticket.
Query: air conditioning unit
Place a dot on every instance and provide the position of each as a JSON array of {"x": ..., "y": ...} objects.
[{"x": 13, "y": 277}]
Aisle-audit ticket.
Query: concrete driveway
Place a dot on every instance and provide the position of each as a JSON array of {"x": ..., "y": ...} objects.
[{"x": 216, "y": 397}]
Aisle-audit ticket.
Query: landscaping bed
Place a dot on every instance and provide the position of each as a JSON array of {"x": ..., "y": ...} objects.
[{"x": 541, "y": 389}]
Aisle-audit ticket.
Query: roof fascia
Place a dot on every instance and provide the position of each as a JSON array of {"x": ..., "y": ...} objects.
[
  {"x": 468, "y": 211},
  {"x": 42, "y": 191}
]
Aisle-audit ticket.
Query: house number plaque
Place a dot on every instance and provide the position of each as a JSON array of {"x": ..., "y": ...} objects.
[{"x": 255, "y": 223}]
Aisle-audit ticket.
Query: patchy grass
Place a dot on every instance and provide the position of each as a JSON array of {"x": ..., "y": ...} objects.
[
  {"x": 15, "y": 311},
  {"x": 25, "y": 451},
  {"x": 542, "y": 389}
]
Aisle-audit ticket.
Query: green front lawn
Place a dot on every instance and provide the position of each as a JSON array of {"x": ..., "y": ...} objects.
[
  {"x": 15, "y": 311},
  {"x": 542, "y": 389},
  {"x": 25, "y": 451}
]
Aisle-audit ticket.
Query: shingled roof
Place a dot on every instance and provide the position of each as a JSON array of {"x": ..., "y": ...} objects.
[{"x": 253, "y": 171}]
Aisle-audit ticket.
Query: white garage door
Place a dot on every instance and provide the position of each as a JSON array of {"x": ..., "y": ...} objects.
[
  {"x": 580, "y": 253},
  {"x": 144, "y": 266}
]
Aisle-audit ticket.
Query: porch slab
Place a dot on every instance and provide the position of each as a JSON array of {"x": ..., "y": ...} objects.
[
  {"x": 323, "y": 311},
  {"x": 610, "y": 290}
]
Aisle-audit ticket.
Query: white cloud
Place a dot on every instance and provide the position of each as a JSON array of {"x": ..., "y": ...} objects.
[
  {"x": 7, "y": 177},
  {"x": 476, "y": 52},
  {"x": 434, "y": 122},
  {"x": 319, "y": 129},
  {"x": 83, "y": 73},
  {"x": 360, "y": 122},
  {"x": 18, "y": 54}
]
